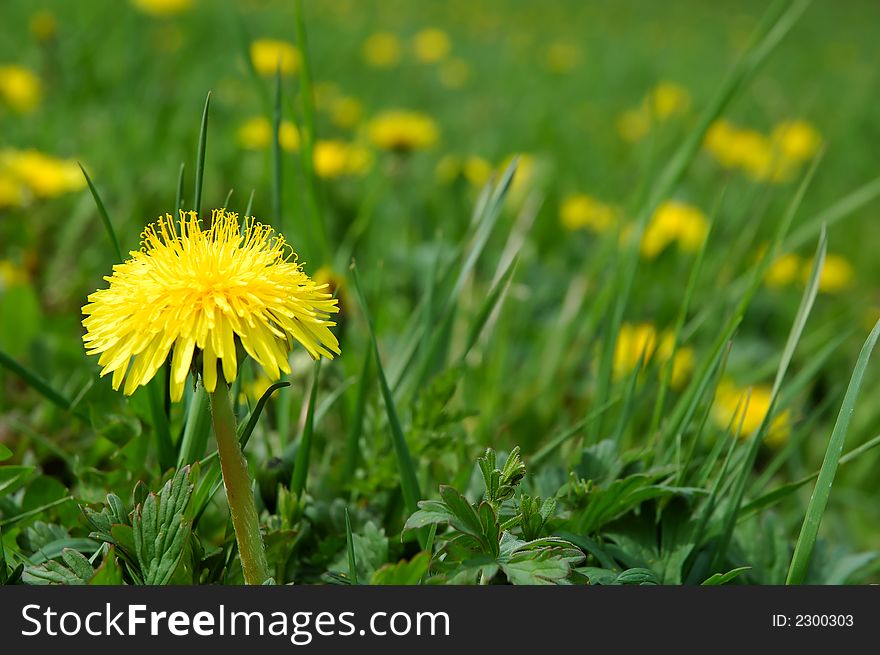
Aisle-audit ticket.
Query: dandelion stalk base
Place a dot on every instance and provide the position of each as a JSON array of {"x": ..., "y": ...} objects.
[{"x": 239, "y": 494}]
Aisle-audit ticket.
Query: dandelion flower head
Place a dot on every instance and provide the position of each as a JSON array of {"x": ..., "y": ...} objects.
[{"x": 199, "y": 294}]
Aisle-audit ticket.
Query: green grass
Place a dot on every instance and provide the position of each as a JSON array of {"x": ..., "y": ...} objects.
[{"x": 478, "y": 427}]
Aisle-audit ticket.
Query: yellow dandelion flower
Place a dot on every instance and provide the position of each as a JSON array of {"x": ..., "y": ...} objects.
[
  {"x": 561, "y": 57},
  {"x": 45, "y": 176},
  {"x": 634, "y": 342},
  {"x": 476, "y": 170},
  {"x": 256, "y": 134},
  {"x": 346, "y": 112},
  {"x": 668, "y": 99},
  {"x": 402, "y": 131},
  {"x": 454, "y": 73},
  {"x": 836, "y": 276},
  {"x": 12, "y": 192},
  {"x": 733, "y": 404},
  {"x": 267, "y": 55},
  {"x": 382, "y": 50},
  {"x": 581, "y": 211},
  {"x": 334, "y": 158},
  {"x": 431, "y": 45},
  {"x": 198, "y": 295},
  {"x": 162, "y": 8},
  {"x": 784, "y": 270},
  {"x": 43, "y": 26},
  {"x": 20, "y": 88},
  {"x": 796, "y": 140},
  {"x": 11, "y": 274},
  {"x": 674, "y": 221}
]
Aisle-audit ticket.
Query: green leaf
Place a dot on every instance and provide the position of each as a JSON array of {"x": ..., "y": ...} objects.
[
  {"x": 109, "y": 573},
  {"x": 403, "y": 573},
  {"x": 5, "y": 453},
  {"x": 724, "y": 578},
  {"x": 161, "y": 529},
  {"x": 13, "y": 477}
]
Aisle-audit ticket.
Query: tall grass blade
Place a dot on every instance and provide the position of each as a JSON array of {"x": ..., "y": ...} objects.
[
  {"x": 102, "y": 212},
  {"x": 803, "y": 549},
  {"x": 304, "y": 452},
  {"x": 200, "y": 156}
]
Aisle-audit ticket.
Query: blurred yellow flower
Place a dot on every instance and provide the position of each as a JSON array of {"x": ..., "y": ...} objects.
[
  {"x": 199, "y": 295},
  {"x": 431, "y": 45},
  {"x": 797, "y": 140},
  {"x": 783, "y": 271},
  {"x": 256, "y": 134},
  {"x": 837, "y": 274},
  {"x": 561, "y": 57},
  {"x": 581, "y": 211},
  {"x": 267, "y": 55},
  {"x": 20, "y": 88},
  {"x": 641, "y": 343},
  {"x": 733, "y": 404},
  {"x": 382, "y": 50},
  {"x": 43, "y": 25},
  {"x": 254, "y": 389},
  {"x": 674, "y": 221},
  {"x": 346, "y": 112},
  {"x": 11, "y": 274},
  {"x": 668, "y": 99},
  {"x": 454, "y": 73},
  {"x": 401, "y": 130},
  {"x": 11, "y": 191},
  {"x": 45, "y": 176},
  {"x": 162, "y": 7},
  {"x": 473, "y": 168},
  {"x": 337, "y": 158},
  {"x": 661, "y": 103}
]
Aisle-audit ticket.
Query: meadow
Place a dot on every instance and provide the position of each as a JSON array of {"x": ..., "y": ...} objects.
[{"x": 598, "y": 281}]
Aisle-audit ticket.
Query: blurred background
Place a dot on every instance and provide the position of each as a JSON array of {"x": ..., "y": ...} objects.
[{"x": 417, "y": 105}]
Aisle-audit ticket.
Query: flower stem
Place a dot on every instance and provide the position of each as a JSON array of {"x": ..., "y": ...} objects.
[{"x": 239, "y": 494}]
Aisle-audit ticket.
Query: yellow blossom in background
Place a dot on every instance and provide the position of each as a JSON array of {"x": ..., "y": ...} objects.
[
  {"x": 162, "y": 8},
  {"x": 197, "y": 295},
  {"x": 20, "y": 88},
  {"x": 402, "y": 131},
  {"x": 837, "y": 274},
  {"x": 635, "y": 344},
  {"x": 641, "y": 343},
  {"x": 256, "y": 134},
  {"x": 796, "y": 140},
  {"x": 674, "y": 222},
  {"x": 334, "y": 158},
  {"x": 473, "y": 168},
  {"x": 11, "y": 274},
  {"x": 346, "y": 112},
  {"x": 454, "y": 73},
  {"x": 562, "y": 57},
  {"x": 268, "y": 54},
  {"x": 581, "y": 211},
  {"x": 663, "y": 102},
  {"x": 254, "y": 389},
  {"x": 12, "y": 191},
  {"x": 783, "y": 271},
  {"x": 773, "y": 158},
  {"x": 733, "y": 404},
  {"x": 431, "y": 45},
  {"x": 668, "y": 99},
  {"x": 43, "y": 25},
  {"x": 382, "y": 50},
  {"x": 43, "y": 175}
]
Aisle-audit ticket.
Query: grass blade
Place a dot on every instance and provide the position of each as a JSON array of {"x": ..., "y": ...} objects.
[
  {"x": 349, "y": 546},
  {"x": 200, "y": 155},
  {"x": 409, "y": 483},
  {"x": 803, "y": 549},
  {"x": 277, "y": 217},
  {"x": 39, "y": 384},
  {"x": 353, "y": 438},
  {"x": 102, "y": 212},
  {"x": 304, "y": 452}
]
